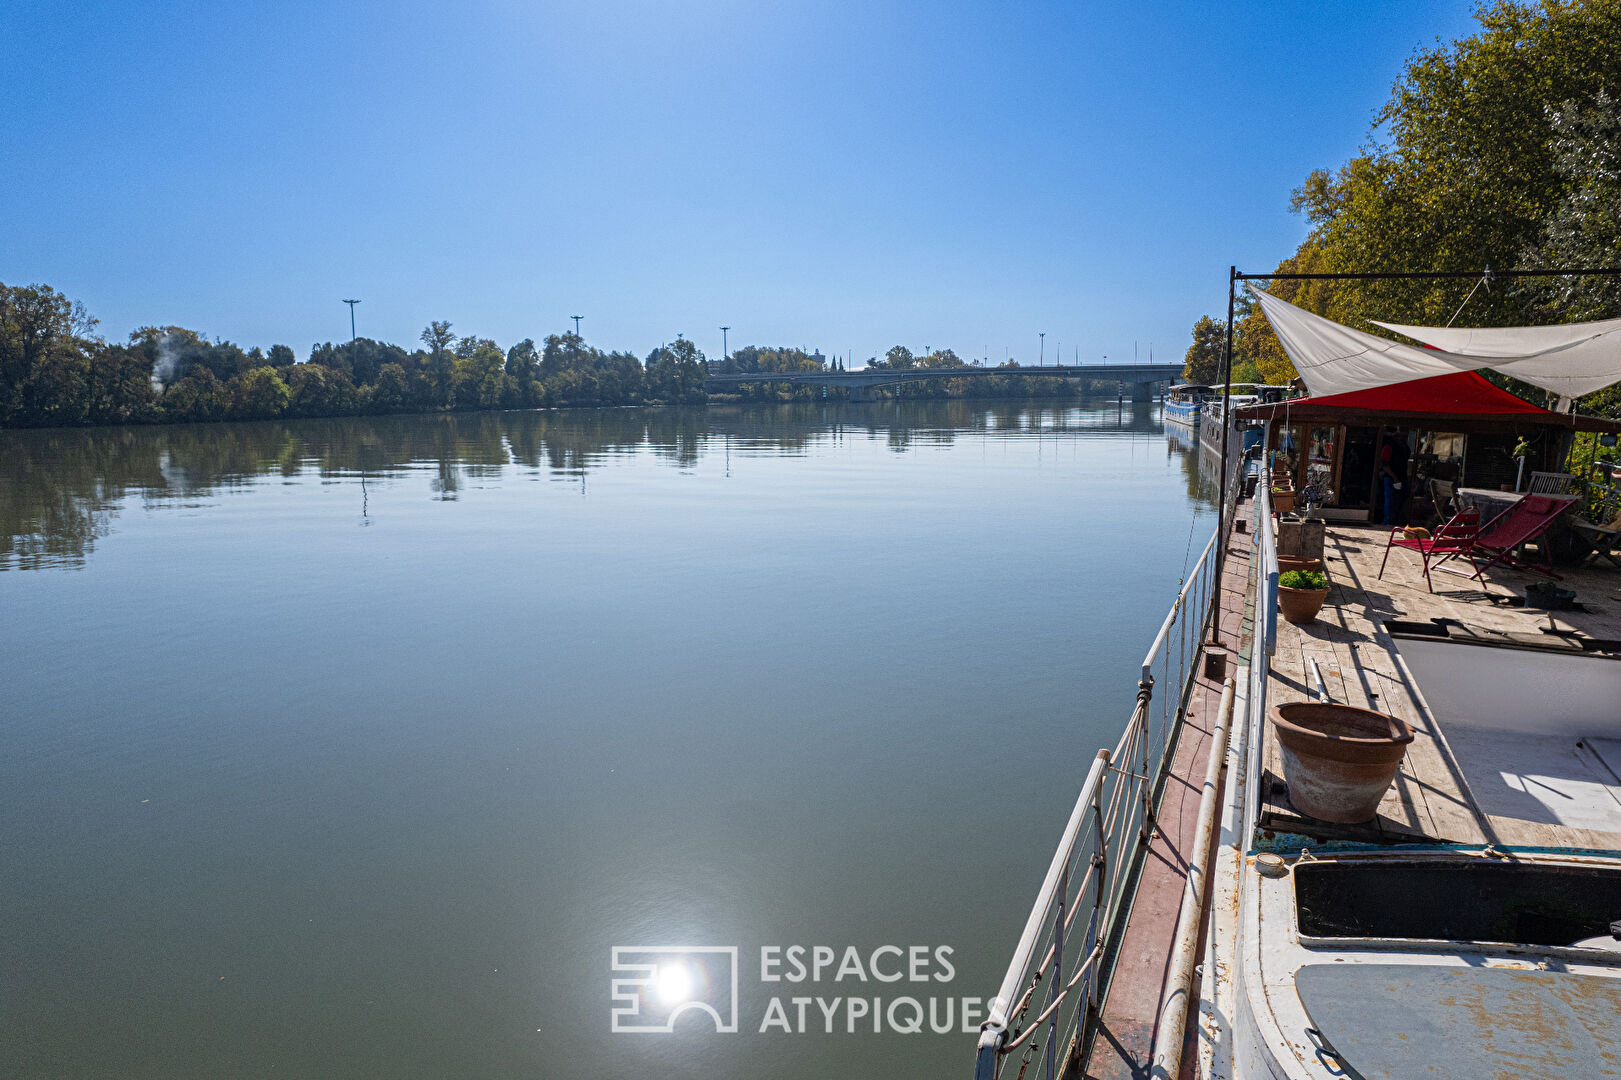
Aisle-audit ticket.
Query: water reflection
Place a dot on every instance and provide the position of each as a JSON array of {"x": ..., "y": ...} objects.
[{"x": 61, "y": 489}]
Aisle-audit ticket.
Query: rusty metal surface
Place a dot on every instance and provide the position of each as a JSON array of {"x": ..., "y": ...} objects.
[{"x": 1463, "y": 1023}]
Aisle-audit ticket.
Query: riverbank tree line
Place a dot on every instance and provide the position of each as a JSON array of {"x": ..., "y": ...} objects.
[
  {"x": 55, "y": 371},
  {"x": 1500, "y": 150}
]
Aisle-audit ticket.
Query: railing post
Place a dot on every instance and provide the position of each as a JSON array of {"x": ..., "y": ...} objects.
[
  {"x": 1085, "y": 1010},
  {"x": 1145, "y": 696},
  {"x": 1058, "y": 974}
]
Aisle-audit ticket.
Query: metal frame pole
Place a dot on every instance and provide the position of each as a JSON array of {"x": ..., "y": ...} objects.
[
  {"x": 1226, "y": 398},
  {"x": 1425, "y": 275}
]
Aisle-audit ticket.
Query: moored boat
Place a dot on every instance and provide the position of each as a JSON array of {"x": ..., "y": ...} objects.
[{"x": 1183, "y": 403}]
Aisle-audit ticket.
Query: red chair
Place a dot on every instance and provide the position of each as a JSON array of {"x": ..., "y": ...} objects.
[
  {"x": 1521, "y": 523},
  {"x": 1456, "y": 537}
]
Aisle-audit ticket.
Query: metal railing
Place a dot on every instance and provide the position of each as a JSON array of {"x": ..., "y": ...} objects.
[
  {"x": 1057, "y": 972},
  {"x": 1249, "y": 730},
  {"x": 1054, "y": 983}
]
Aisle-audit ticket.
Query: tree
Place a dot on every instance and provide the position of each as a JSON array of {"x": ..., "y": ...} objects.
[
  {"x": 316, "y": 390},
  {"x": 479, "y": 379},
  {"x": 898, "y": 358},
  {"x": 260, "y": 395},
  {"x": 1203, "y": 362},
  {"x": 437, "y": 337},
  {"x": 675, "y": 372},
  {"x": 32, "y": 319},
  {"x": 1463, "y": 168},
  {"x": 1584, "y": 227},
  {"x": 392, "y": 391}
]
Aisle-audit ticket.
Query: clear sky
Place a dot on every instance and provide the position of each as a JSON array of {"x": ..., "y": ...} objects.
[{"x": 842, "y": 176}]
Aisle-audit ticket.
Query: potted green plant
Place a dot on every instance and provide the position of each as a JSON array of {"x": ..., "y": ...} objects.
[
  {"x": 1301, "y": 594},
  {"x": 1283, "y": 499}
]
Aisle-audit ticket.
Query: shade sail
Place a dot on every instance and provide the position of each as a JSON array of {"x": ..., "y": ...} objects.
[
  {"x": 1335, "y": 359},
  {"x": 1568, "y": 360},
  {"x": 1456, "y": 397}
]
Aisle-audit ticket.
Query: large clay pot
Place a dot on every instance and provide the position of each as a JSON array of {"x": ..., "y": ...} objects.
[
  {"x": 1300, "y": 606},
  {"x": 1338, "y": 760},
  {"x": 1287, "y": 563},
  {"x": 1283, "y": 501}
]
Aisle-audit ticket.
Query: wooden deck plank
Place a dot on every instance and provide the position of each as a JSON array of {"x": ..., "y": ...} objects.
[{"x": 1431, "y": 794}]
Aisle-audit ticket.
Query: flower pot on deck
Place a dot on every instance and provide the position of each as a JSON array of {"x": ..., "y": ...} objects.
[
  {"x": 1283, "y": 501},
  {"x": 1287, "y": 563},
  {"x": 1338, "y": 760},
  {"x": 1300, "y": 606}
]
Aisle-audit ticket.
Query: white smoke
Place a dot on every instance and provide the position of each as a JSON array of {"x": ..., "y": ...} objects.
[{"x": 163, "y": 368}]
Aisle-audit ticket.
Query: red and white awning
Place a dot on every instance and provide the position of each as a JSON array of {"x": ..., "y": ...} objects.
[{"x": 1567, "y": 361}]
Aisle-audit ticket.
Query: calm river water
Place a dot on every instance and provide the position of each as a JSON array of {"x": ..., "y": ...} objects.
[{"x": 356, "y": 748}]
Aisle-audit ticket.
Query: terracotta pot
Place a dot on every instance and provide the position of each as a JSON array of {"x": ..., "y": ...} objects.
[
  {"x": 1300, "y": 606},
  {"x": 1283, "y": 501},
  {"x": 1338, "y": 760},
  {"x": 1287, "y": 563}
]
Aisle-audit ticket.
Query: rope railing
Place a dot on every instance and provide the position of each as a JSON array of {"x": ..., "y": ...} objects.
[{"x": 1099, "y": 853}]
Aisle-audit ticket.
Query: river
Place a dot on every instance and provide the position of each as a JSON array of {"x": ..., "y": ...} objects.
[{"x": 366, "y": 747}]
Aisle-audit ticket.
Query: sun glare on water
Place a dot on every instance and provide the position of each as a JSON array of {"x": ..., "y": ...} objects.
[{"x": 674, "y": 984}]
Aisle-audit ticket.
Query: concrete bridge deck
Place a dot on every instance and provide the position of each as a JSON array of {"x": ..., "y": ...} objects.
[{"x": 1142, "y": 377}]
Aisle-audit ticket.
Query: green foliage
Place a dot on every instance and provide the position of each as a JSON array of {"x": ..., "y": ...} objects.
[
  {"x": 51, "y": 374},
  {"x": 1203, "y": 362},
  {"x": 1302, "y": 579},
  {"x": 1467, "y": 172},
  {"x": 1584, "y": 227},
  {"x": 260, "y": 395},
  {"x": 1498, "y": 150}
]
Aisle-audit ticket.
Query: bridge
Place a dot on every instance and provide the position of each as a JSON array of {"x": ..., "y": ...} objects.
[{"x": 863, "y": 381}]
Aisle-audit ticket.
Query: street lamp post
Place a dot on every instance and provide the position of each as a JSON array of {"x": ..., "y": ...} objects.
[
  {"x": 724, "y": 355},
  {"x": 1043, "y": 361},
  {"x": 351, "y": 304},
  {"x": 576, "y": 319}
]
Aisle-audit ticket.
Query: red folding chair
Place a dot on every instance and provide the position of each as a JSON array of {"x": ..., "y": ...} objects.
[
  {"x": 1521, "y": 523},
  {"x": 1456, "y": 537}
]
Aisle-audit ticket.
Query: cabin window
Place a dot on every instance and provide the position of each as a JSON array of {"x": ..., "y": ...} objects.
[{"x": 1321, "y": 443}]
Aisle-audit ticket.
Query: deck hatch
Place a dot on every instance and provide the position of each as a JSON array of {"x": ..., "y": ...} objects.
[
  {"x": 1384, "y": 1021},
  {"x": 1457, "y": 900}
]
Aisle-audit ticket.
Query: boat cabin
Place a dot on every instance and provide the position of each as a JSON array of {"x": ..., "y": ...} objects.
[{"x": 1436, "y": 434}]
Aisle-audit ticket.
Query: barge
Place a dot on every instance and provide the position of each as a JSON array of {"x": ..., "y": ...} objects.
[
  {"x": 1183, "y": 403},
  {"x": 1404, "y": 856}
]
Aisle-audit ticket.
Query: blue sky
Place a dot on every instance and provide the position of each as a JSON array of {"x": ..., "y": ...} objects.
[{"x": 842, "y": 176}]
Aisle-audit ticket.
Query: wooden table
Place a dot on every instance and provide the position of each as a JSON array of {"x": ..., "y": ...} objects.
[{"x": 1489, "y": 501}]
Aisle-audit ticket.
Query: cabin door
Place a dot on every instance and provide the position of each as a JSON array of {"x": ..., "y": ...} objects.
[{"x": 1360, "y": 463}]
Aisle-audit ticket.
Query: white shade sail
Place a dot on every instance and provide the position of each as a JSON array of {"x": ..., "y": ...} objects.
[
  {"x": 1568, "y": 360},
  {"x": 1335, "y": 359}
]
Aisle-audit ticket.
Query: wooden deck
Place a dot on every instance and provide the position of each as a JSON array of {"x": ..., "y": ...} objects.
[{"x": 1359, "y": 665}]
